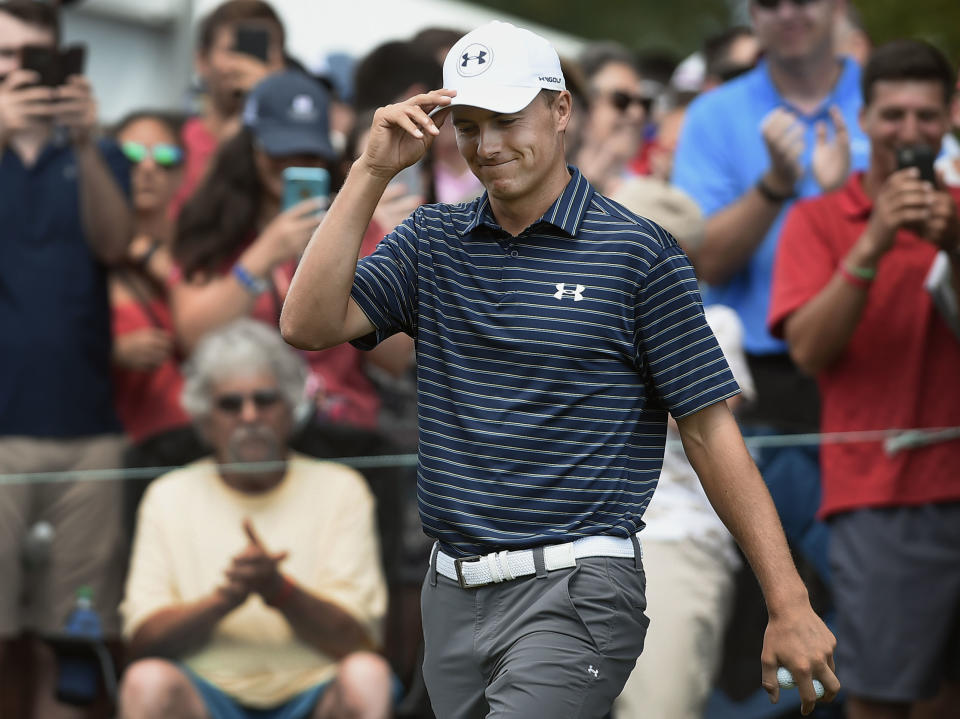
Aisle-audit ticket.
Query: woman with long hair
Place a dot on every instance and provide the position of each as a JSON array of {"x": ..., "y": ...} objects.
[{"x": 236, "y": 247}]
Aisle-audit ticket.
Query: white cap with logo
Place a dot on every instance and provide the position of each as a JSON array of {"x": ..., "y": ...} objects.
[{"x": 501, "y": 67}]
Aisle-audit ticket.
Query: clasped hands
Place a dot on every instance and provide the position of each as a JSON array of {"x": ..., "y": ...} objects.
[{"x": 255, "y": 570}]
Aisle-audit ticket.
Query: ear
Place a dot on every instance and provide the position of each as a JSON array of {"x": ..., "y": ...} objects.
[{"x": 563, "y": 109}]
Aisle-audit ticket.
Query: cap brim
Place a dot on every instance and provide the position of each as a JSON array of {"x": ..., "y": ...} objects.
[
  {"x": 496, "y": 99},
  {"x": 278, "y": 142}
]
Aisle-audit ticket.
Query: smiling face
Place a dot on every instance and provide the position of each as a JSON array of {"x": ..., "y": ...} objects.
[
  {"x": 515, "y": 156},
  {"x": 901, "y": 113}
]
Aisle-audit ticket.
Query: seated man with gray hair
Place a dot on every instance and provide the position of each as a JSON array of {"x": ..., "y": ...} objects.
[{"x": 255, "y": 584}]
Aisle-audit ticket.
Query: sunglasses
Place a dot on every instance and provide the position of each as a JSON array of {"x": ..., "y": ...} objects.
[
  {"x": 774, "y": 4},
  {"x": 164, "y": 155},
  {"x": 233, "y": 403},
  {"x": 623, "y": 100}
]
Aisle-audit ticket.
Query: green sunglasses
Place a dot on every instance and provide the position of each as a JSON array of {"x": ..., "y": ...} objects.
[{"x": 163, "y": 154}]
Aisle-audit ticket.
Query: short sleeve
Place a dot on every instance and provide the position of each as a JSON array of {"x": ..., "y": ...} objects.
[
  {"x": 674, "y": 342},
  {"x": 118, "y": 164},
  {"x": 803, "y": 266},
  {"x": 701, "y": 167},
  {"x": 150, "y": 586},
  {"x": 355, "y": 581},
  {"x": 385, "y": 285}
]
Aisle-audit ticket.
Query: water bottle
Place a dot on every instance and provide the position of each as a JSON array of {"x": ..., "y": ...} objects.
[{"x": 78, "y": 679}]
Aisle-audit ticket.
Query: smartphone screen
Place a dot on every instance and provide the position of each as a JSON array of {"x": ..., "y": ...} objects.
[
  {"x": 252, "y": 40},
  {"x": 43, "y": 60},
  {"x": 919, "y": 156},
  {"x": 304, "y": 183}
]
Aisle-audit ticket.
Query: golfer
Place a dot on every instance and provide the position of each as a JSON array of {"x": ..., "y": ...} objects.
[{"x": 555, "y": 330}]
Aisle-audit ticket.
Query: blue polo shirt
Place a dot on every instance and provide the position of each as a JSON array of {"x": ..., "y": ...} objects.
[
  {"x": 721, "y": 155},
  {"x": 546, "y": 364},
  {"x": 54, "y": 313}
]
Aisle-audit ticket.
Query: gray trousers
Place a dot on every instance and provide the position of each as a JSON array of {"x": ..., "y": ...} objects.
[{"x": 559, "y": 645}]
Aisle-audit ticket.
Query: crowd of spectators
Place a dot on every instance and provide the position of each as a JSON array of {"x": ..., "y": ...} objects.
[{"x": 143, "y": 268}]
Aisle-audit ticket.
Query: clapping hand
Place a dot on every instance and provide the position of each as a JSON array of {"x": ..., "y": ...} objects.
[
  {"x": 831, "y": 157},
  {"x": 784, "y": 137},
  {"x": 255, "y": 569}
]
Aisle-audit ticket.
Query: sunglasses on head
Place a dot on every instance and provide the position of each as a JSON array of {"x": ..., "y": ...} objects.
[
  {"x": 774, "y": 4},
  {"x": 163, "y": 154},
  {"x": 623, "y": 100},
  {"x": 233, "y": 403}
]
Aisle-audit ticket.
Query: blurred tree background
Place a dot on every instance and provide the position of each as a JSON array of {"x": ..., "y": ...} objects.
[{"x": 677, "y": 27}]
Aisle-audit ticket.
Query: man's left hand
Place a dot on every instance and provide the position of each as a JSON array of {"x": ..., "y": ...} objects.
[
  {"x": 76, "y": 109},
  {"x": 831, "y": 158},
  {"x": 799, "y": 640},
  {"x": 255, "y": 567}
]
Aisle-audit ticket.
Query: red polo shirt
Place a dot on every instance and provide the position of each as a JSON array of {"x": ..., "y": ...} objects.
[{"x": 901, "y": 368}]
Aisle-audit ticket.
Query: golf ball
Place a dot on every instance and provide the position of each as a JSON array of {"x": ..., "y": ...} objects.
[{"x": 785, "y": 680}]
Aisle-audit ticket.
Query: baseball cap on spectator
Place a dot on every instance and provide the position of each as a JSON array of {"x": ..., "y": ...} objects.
[
  {"x": 288, "y": 113},
  {"x": 501, "y": 68}
]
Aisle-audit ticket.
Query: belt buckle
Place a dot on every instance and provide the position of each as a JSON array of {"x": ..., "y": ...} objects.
[{"x": 457, "y": 565}]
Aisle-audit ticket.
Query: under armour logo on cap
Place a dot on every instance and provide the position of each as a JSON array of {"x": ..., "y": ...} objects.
[{"x": 474, "y": 60}]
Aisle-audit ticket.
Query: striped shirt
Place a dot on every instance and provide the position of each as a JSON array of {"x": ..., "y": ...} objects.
[{"x": 546, "y": 364}]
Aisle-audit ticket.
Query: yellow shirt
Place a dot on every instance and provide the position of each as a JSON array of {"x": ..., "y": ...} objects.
[{"x": 190, "y": 527}]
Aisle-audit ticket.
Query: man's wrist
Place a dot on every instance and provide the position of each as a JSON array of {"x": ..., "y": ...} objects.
[
  {"x": 280, "y": 593},
  {"x": 774, "y": 190}
]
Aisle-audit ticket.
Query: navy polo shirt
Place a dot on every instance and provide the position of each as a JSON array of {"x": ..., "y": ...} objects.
[
  {"x": 54, "y": 312},
  {"x": 546, "y": 364}
]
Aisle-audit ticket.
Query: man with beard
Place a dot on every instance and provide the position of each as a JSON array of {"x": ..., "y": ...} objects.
[{"x": 255, "y": 582}]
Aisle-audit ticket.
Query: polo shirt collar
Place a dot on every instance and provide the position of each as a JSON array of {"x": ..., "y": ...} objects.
[
  {"x": 846, "y": 86},
  {"x": 854, "y": 201},
  {"x": 566, "y": 213}
]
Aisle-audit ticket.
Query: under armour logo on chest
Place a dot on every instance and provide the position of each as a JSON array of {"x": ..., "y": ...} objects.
[{"x": 576, "y": 292}]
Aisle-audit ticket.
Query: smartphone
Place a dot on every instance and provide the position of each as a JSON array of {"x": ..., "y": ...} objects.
[
  {"x": 43, "y": 60},
  {"x": 252, "y": 40},
  {"x": 919, "y": 156},
  {"x": 72, "y": 61},
  {"x": 304, "y": 183},
  {"x": 411, "y": 178}
]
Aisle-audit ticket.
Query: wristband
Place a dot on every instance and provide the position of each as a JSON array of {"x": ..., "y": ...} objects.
[
  {"x": 770, "y": 195},
  {"x": 256, "y": 286},
  {"x": 864, "y": 273},
  {"x": 280, "y": 597},
  {"x": 852, "y": 277}
]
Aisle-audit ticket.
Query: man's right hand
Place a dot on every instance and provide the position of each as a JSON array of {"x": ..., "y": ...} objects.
[
  {"x": 903, "y": 202},
  {"x": 21, "y": 104},
  {"x": 784, "y": 137},
  {"x": 287, "y": 234},
  {"x": 402, "y": 133}
]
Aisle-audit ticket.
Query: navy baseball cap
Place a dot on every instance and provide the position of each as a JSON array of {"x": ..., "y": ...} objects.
[{"x": 289, "y": 114}]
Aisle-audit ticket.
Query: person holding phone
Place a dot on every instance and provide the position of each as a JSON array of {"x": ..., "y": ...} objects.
[
  {"x": 855, "y": 290},
  {"x": 239, "y": 43},
  {"x": 65, "y": 218},
  {"x": 236, "y": 246}
]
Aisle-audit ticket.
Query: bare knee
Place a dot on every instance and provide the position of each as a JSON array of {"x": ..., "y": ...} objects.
[
  {"x": 157, "y": 688},
  {"x": 363, "y": 685}
]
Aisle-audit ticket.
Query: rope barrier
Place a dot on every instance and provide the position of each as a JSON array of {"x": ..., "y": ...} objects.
[{"x": 894, "y": 441}]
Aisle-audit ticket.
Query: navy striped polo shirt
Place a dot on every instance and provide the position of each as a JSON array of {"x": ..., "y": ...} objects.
[{"x": 546, "y": 364}]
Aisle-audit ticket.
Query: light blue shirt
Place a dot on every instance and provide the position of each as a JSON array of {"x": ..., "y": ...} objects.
[{"x": 721, "y": 155}]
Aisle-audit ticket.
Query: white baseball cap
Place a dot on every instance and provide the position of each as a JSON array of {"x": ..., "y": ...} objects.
[{"x": 501, "y": 67}]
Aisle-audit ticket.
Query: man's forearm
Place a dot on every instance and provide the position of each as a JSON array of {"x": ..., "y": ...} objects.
[
  {"x": 322, "y": 624},
  {"x": 106, "y": 216},
  {"x": 178, "y": 630},
  {"x": 733, "y": 235},
  {"x": 737, "y": 492},
  {"x": 315, "y": 311}
]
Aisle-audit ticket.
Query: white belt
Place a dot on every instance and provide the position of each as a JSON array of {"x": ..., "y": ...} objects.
[{"x": 478, "y": 571}]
